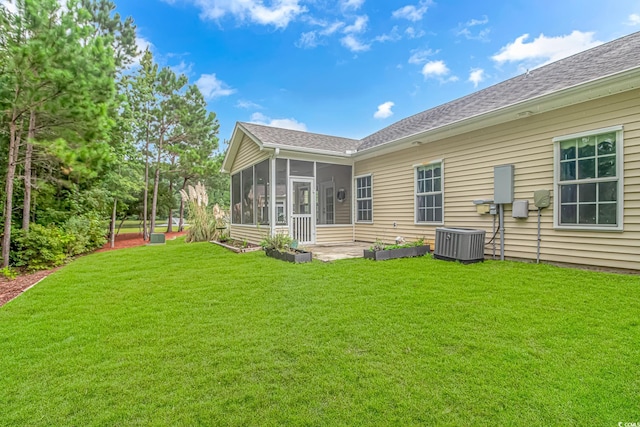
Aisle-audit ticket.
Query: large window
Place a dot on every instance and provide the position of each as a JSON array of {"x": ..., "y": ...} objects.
[
  {"x": 589, "y": 180},
  {"x": 364, "y": 199},
  {"x": 429, "y": 193}
]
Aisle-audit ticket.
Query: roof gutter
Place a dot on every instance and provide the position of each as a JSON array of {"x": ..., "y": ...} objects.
[{"x": 307, "y": 150}]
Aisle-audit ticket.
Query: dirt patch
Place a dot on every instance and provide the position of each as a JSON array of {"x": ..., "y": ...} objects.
[
  {"x": 10, "y": 289},
  {"x": 131, "y": 240}
]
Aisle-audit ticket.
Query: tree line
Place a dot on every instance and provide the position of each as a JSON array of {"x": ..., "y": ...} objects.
[{"x": 91, "y": 129}]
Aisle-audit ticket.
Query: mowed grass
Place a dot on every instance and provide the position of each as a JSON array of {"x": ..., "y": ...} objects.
[{"x": 188, "y": 334}]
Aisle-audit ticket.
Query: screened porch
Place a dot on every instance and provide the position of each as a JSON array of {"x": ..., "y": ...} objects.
[{"x": 310, "y": 200}]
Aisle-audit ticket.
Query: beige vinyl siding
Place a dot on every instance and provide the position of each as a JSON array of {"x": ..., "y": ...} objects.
[
  {"x": 343, "y": 212},
  {"x": 252, "y": 233},
  {"x": 248, "y": 155},
  {"x": 468, "y": 162},
  {"x": 326, "y": 234}
]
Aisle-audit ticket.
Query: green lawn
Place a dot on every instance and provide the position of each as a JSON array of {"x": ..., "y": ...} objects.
[{"x": 192, "y": 334}]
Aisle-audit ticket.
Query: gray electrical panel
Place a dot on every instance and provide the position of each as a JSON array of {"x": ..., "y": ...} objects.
[{"x": 503, "y": 184}]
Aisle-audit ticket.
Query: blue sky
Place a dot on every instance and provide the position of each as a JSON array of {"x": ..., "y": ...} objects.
[{"x": 352, "y": 67}]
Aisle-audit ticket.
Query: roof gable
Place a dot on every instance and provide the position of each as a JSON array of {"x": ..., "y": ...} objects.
[{"x": 287, "y": 138}]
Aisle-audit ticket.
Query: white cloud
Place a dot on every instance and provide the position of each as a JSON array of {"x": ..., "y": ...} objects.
[
  {"x": 384, "y": 110},
  {"x": 331, "y": 28},
  {"x": 467, "y": 30},
  {"x": 393, "y": 36},
  {"x": 435, "y": 69},
  {"x": 476, "y": 76},
  {"x": 311, "y": 39},
  {"x": 212, "y": 88},
  {"x": 246, "y": 104},
  {"x": 474, "y": 22},
  {"x": 308, "y": 40},
  {"x": 182, "y": 68},
  {"x": 545, "y": 49},
  {"x": 351, "y": 4},
  {"x": 353, "y": 44},
  {"x": 359, "y": 26},
  {"x": 438, "y": 70},
  {"x": 420, "y": 56},
  {"x": 290, "y": 123},
  {"x": 634, "y": 19},
  {"x": 411, "y": 12},
  {"x": 279, "y": 14},
  {"x": 412, "y": 33},
  {"x": 482, "y": 35},
  {"x": 9, "y": 5}
]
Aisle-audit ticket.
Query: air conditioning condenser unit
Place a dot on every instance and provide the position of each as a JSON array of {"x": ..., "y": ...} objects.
[{"x": 459, "y": 244}]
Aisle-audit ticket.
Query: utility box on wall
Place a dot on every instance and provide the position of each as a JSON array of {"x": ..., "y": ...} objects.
[
  {"x": 520, "y": 209},
  {"x": 503, "y": 184}
]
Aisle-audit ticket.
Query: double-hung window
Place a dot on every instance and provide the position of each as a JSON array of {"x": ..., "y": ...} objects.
[
  {"x": 364, "y": 199},
  {"x": 588, "y": 177},
  {"x": 428, "y": 203}
]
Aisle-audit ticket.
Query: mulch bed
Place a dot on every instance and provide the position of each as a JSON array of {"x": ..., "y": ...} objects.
[{"x": 10, "y": 289}]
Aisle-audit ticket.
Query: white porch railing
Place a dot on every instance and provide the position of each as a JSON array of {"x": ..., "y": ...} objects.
[{"x": 301, "y": 227}]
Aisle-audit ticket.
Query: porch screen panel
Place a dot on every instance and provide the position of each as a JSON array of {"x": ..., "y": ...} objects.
[
  {"x": 262, "y": 192},
  {"x": 281, "y": 191},
  {"x": 300, "y": 168},
  {"x": 248, "y": 198},
  {"x": 333, "y": 200},
  {"x": 236, "y": 199}
]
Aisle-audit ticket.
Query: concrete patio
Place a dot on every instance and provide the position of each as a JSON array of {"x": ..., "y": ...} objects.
[{"x": 336, "y": 251}]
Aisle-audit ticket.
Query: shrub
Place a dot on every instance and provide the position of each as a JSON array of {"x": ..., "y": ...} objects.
[
  {"x": 204, "y": 224},
  {"x": 40, "y": 247},
  {"x": 8, "y": 273},
  {"x": 279, "y": 241},
  {"x": 88, "y": 233}
]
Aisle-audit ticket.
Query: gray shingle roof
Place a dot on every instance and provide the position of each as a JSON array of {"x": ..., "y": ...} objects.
[
  {"x": 616, "y": 56},
  {"x": 299, "y": 139},
  {"x": 607, "y": 59}
]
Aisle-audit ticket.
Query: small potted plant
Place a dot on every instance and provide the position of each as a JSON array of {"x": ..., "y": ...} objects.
[
  {"x": 380, "y": 251},
  {"x": 282, "y": 246}
]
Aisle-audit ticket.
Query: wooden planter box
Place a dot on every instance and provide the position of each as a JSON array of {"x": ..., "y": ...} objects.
[
  {"x": 296, "y": 257},
  {"x": 236, "y": 249},
  {"x": 397, "y": 253}
]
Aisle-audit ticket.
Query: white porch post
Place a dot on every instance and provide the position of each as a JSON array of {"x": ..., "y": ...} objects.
[{"x": 272, "y": 195}]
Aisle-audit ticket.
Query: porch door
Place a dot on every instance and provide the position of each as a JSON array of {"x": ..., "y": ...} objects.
[
  {"x": 327, "y": 206},
  {"x": 302, "y": 224}
]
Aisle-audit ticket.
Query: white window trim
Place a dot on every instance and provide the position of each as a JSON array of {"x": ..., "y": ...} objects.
[
  {"x": 619, "y": 173},
  {"x": 415, "y": 192},
  {"x": 355, "y": 198}
]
